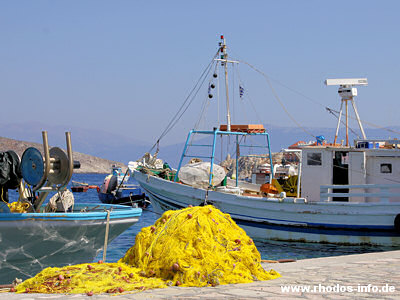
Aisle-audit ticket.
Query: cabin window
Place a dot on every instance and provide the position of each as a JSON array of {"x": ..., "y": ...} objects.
[
  {"x": 314, "y": 159},
  {"x": 386, "y": 168}
]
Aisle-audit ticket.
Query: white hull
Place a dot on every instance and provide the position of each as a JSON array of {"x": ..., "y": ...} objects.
[
  {"x": 289, "y": 219},
  {"x": 29, "y": 244}
]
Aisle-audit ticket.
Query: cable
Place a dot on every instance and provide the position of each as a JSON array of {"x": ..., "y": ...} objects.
[
  {"x": 316, "y": 102},
  {"x": 182, "y": 109},
  {"x": 278, "y": 99},
  {"x": 334, "y": 113}
]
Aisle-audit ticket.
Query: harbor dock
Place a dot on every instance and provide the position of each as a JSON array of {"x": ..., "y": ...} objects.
[{"x": 358, "y": 276}]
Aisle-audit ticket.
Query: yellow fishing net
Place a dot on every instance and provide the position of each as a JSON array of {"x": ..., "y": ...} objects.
[
  {"x": 195, "y": 246},
  {"x": 19, "y": 206}
]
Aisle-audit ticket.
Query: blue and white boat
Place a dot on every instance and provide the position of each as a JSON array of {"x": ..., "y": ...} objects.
[
  {"x": 34, "y": 236},
  {"x": 346, "y": 194},
  {"x": 30, "y": 242},
  {"x": 116, "y": 190}
]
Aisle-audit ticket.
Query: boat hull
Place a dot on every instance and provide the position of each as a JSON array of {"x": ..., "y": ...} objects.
[
  {"x": 140, "y": 200},
  {"x": 289, "y": 219},
  {"x": 30, "y": 242}
]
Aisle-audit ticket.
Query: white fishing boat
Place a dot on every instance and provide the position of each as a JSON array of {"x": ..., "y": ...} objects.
[
  {"x": 346, "y": 194},
  {"x": 34, "y": 236}
]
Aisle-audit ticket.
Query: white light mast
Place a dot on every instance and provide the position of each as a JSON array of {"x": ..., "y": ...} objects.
[
  {"x": 224, "y": 62},
  {"x": 224, "y": 57},
  {"x": 347, "y": 91}
]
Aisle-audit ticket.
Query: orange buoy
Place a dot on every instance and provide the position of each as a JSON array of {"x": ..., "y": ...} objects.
[{"x": 268, "y": 189}]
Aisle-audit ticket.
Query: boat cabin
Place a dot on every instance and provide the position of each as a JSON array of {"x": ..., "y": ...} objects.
[{"x": 367, "y": 172}]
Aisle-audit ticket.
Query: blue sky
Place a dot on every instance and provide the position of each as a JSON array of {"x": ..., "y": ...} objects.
[{"x": 127, "y": 66}]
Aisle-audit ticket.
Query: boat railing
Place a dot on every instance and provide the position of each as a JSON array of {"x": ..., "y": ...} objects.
[
  {"x": 240, "y": 131},
  {"x": 383, "y": 193},
  {"x": 377, "y": 143},
  {"x": 127, "y": 186}
]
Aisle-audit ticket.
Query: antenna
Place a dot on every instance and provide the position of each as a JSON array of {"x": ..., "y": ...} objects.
[
  {"x": 224, "y": 62},
  {"x": 347, "y": 91}
]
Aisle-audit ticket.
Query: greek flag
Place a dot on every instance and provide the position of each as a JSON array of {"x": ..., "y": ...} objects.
[{"x": 241, "y": 91}]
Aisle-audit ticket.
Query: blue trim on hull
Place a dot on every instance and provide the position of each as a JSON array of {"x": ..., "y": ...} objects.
[
  {"x": 92, "y": 212},
  {"x": 335, "y": 226},
  {"x": 327, "y": 229}
]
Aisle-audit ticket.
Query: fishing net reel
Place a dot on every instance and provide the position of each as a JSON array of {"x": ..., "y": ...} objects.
[{"x": 50, "y": 172}]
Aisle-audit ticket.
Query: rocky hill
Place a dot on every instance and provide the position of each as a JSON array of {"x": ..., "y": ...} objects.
[{"x": 89, "y": 164}]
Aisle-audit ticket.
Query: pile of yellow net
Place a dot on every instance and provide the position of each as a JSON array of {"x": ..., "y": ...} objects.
[{"x": 195, "y": 246}]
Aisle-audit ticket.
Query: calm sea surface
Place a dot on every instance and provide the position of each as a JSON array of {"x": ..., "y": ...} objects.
[{"x": 269, "y": 250}]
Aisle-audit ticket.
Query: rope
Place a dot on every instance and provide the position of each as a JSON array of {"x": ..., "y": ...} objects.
[
  {"x": 278, "y": 99},
  {"x": 106, "y": 236},
  {"x": 248, "y": 97},
  {"x": 334, "y": 113},
  {"x": 183, "y": 109},
  {"x": 318, "y": 103},
  {"x": 2, "y": 199}
]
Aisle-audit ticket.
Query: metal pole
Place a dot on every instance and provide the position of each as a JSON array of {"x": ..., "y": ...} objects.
[
  {"x": 338, "y": 123},
  {"x": 270, "y": 159},
  {"x": 212, "y": 158},
  {"x": 347, "y": 123},
  {"x": 299, "y": 174},
  {"x": 46, "y": 162},
  {"x": 183, "y": 155},
  {"x": 70, "y": 159},
  {"x": 42, "y": 196},
  {"x": 228, "y": 114},
  {"x": 106, "y": 236},
  {"x": 358, "y": 119},
  {"x": 237, "y": 160}
]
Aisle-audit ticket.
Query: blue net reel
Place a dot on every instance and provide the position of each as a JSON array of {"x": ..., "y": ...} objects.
[{"x": 32, "y": 166}]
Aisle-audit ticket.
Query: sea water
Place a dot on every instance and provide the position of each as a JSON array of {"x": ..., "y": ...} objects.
[{"x": 271, "y": 250}]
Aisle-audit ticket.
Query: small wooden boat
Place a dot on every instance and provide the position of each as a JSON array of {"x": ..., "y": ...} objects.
[
  {"x": 115, "y": 190},
  {"x": 82, "y": 187}
]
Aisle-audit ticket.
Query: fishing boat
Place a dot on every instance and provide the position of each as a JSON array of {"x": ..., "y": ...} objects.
[
  {"x": 116, "y": 190},
  {"x": 344, "y": 194},
  {"x": 34, "y": 235},
  {"x": 81, "y": 187}
]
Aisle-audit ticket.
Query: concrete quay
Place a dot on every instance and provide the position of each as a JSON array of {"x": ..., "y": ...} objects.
[{"x": 358, "y": 276}]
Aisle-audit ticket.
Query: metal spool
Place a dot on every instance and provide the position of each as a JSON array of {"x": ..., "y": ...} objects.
[
  {"x": 59, "y": 167},
  {"x": 32, "y": 166}
]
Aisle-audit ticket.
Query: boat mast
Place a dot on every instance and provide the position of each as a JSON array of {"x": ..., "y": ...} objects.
[{"x": 224, "y": 58}]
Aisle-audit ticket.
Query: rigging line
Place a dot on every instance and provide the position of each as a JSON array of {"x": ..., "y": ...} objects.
[
  {"x": 248, "y": 97},
  {"x": 206, "y": 102},
  {"x": 198, "y": 86},
  {"x": 277, "y": 98},
  {"x": 202, "y": 113},
  {"x": 342, "y": 121},
  {"x": 190, "y": 102},
  {"x": 175, "y": 119},
  {"x": 366, "y": 122},
  {"x": 326, "y": 107},
  {"x": 330, "y": 109}
]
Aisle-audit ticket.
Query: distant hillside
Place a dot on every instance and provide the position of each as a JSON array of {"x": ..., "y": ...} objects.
[
  {"x": 89, "y": 164},
  {"x": 100, "y": 143},
  {"x": 114, "y": 146}
]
